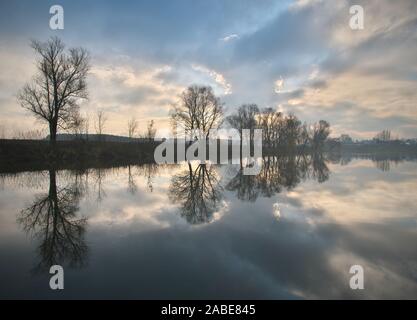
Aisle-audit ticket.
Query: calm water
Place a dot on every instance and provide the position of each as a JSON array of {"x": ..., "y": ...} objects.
[{"x": 209, "y": 232}]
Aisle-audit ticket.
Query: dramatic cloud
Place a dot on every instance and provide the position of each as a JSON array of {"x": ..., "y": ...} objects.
[{"x": 296, "y": 56}]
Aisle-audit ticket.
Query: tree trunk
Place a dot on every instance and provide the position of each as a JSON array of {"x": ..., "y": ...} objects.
[{"x": 52, "y": 132}]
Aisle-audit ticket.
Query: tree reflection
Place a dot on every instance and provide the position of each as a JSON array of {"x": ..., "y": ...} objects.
[
  {"x": 52, "y": 220},
  {"x": 198, "y": 192},
  {"x": 99, "y": 175},
  {"x": 131, "y": 183},
  {"x": 147, "y": 170},
  {"x": 320, "y": 171},
  {"x": 277, "y": 173}
]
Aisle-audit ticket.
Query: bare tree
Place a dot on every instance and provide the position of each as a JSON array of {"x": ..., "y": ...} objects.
[
  {"x": 384, "y": 135},
  {"x": 78, "y": 126},
  {"x": 132, "y": 126},
  {"x": 304, "y": 135},
  {"x": 35, "y": 134},
  {"x": 2, "y": 131},
  {"x": 86, "y": 125},
  {"x": 151, "y": 131},
  {"x": 55, "y": 91},
  {"x": 321, "y": 131},
  {"x": 199, "y": 109},
  {"x": 291, "y": 130},
  {"x": 270, "y": 121},
  {"x": 244, "y": 118},
  {"x": 100, "y": 122}
]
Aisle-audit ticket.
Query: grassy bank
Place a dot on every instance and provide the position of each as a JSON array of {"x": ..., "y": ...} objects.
[{"x": 28, "y": 155}]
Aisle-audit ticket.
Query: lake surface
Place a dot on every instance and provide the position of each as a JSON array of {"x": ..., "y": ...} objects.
[{"x": 192, "y": 232}]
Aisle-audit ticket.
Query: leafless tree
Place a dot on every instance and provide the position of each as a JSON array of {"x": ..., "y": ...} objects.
[
  {"x": 304, "y": 136},
  {"x": 321, "y": 131},
  {"x": 384, "y": 135},
  {"x": 291, "y": 130},
  {"x": 100, "y": 122},
  {"x": 86, "y": 125},
  {"x": 78, "y": 126},
  {"x": 54, "y": 93},
  {"x": 244, "y": 118},
  {"x": 151, "y": 131},
  {"x": 132, "y": 126},
  {"x": 2, "y": 131},
  {"x": 271, "y": 123},
  {"x": 35, "y": 134},
  {"x": 198, "y": 109}
]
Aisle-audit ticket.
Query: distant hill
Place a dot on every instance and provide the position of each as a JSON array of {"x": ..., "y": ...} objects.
[{"x": 96, "y": 137}]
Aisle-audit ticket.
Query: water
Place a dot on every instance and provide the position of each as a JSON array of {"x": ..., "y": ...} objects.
[{"x": 191, "y": 232}]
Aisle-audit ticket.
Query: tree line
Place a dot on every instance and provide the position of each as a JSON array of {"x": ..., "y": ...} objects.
[{"x": 199, "y": 110}]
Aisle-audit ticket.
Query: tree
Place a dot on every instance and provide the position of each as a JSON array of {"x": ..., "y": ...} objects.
[
  {"x": 100, "y": 123},
  {"x": 292, "y": 128},
  {"x": 2, "y": 131},
  {"x": 35, "y": 134},
  {"x": 304, "y": 135},
  {"x": 54, "y": 93},
  {"x": 345, "y": 138},
  {"x": 384, "y": 135},
  {"x": 199, "y": 109},
  {"x": 132, "y": 126},
  {"x": 270, "y": 122},
  {"x": 151, "y": 131},
  {"x": 244, "y": 118},
  {"x": 86, "y": 125},
  {"x": 321, "y": 131},
  {"x": 78, "y": 126}
]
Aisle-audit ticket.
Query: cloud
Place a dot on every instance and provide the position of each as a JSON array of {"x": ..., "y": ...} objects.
[
  {"x": 229, "y": 37},
  {"x": 216, "y": 76},
  {"x": 279, "y": 84},
  {"x": 299, "y": 4},
  {"x": 325, "y": 64}
]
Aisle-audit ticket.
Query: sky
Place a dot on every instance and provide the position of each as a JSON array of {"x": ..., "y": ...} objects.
[{"x": 298, "y": 57}]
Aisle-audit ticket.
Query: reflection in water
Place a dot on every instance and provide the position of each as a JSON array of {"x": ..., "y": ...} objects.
[
  {"x": 279, "y": 172},
  {"x": 52, "y": 220},
  {"x": 198, "y": 192},
  {"x": 99, "y": 175},
  {"x": 148, "y": 170},
  {"x": 131, "y": 184},
  {"x": 319, "y": 169},
  {"x": 360, "y": 215},
  {"x": 383, "y": 162},
  {"x": 383, "y": 165}
]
